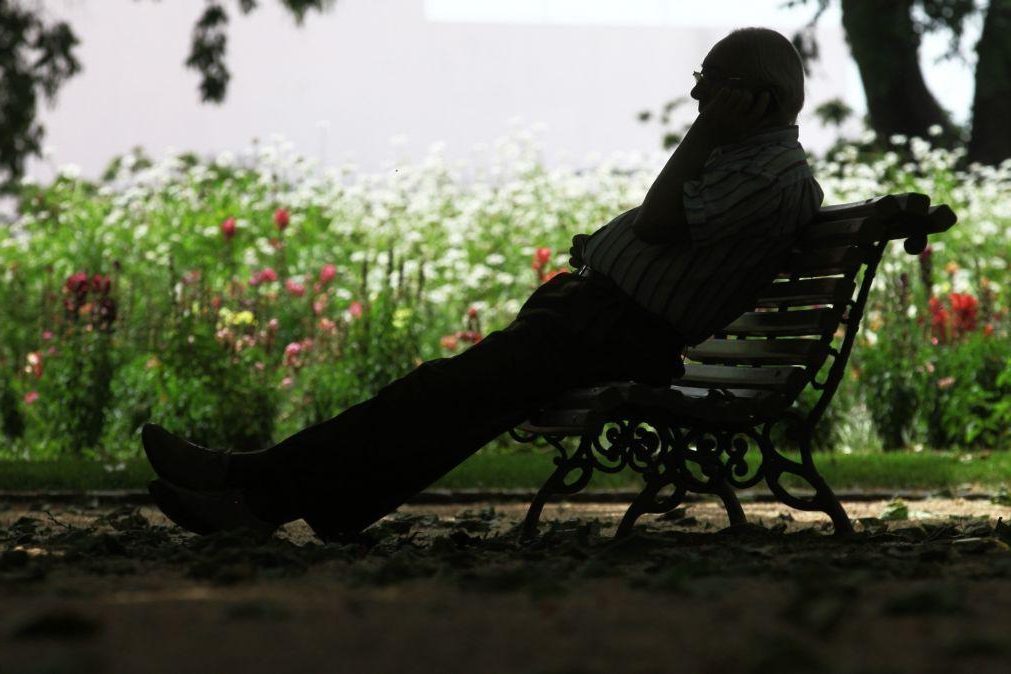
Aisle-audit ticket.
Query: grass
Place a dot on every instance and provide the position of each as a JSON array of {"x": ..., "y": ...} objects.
[{"x": 527, "y": 470}]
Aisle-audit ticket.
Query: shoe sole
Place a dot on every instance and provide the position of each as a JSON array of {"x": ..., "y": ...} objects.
[{"x": 168, "y": 502}]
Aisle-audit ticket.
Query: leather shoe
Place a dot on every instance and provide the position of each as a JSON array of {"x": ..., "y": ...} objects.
[
  {"x": 206, "y": 512},
  {"x": 183, "y": 463}
]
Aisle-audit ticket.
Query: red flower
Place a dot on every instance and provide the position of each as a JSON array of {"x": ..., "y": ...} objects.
[
  {"x": 964, "y": 307},
  {"x": 77, "y": 284},
  {"x": 294, "y": 287},
  {"x": 228, "y": 228},
  {"x": 956, "y": 318},
  {"x": 355, "y": 308},
  {"x": 448, "y": 342},
  {"x": 281, "y": 219},
  {"x": 472, "y": 312},
  {"x": 552, "y": 274},
  {"x": 541, "y": 257},
  {"x": 327, "y": 273},
  {"x": 988, "y": 329},
  {"x": 101, "y": 284}
]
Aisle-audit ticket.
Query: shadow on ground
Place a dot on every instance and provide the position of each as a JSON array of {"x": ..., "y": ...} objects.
[{"x": 447, "y": 589}]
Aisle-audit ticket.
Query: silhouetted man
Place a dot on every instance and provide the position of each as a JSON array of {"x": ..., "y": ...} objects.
[{"x": 711, "y": 232}]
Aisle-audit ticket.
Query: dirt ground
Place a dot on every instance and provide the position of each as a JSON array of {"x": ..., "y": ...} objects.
[{"x": 451, "y": 589}]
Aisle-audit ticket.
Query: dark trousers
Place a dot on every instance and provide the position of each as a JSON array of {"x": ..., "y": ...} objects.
[{"x": 347, "y": 472}]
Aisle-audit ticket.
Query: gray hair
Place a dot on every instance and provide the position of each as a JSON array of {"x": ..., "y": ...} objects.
[{"x": 772, "y": 59}]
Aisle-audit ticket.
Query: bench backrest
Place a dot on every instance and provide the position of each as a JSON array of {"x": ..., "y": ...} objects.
[{"x": 807, "y": 320}]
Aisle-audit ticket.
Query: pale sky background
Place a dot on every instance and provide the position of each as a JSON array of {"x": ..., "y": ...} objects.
[{"x": 456, "y": 71}]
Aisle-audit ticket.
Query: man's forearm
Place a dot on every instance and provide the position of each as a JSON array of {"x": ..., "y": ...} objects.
[{"x": 661, "y": 219}]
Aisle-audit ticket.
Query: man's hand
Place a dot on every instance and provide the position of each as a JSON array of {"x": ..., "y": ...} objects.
[
  {"x": 576, "y": 251},
  {"x": 733, "y": 113}
]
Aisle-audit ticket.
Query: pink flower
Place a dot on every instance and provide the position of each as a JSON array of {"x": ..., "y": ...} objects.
[
  {"x": 355, "y": 309},
  {"x": 326, "y": 325},
  {"x": 46, "y": 335},
  {"x": 287, "y": 382},
  {"x": 228, "y": 228},
  {"x": 31, "y": 397},
  {"x": 319, "y": 304},
  {"x": 263, "y": 276},
  {"x": 273, "y": 325},
  {"x": 294, "y": 287},
  {"x": 281, "y": 219},
  {"x": 327, "y": 273},
  {"x": 292, "y": 352}
]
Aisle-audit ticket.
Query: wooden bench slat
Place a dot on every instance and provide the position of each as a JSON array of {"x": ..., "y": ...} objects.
[
  {"x": 883, "y": 205},
  {"x": 842, "y": 232},
  {"x": 785, "y": 323},
  {"x": 824, "y": 262},
  {"x": 784, "y": 379},
  {"x": 808, "y": 352},
  {"x": 807, "y": 292}
]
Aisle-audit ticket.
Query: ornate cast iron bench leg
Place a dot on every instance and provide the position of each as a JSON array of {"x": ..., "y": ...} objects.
[
  {"x": 735, "y": 513},
  {"x": 556, "y": 483},
  {"x": 824, "y": 499},
  {"x": 649, "y": 501}
]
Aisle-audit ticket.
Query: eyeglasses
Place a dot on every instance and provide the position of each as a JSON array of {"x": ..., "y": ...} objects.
[{"x": 709, "y": 79}]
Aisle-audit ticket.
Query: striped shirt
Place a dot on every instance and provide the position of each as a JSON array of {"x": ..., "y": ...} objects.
[{"x": 743, "y": 214}]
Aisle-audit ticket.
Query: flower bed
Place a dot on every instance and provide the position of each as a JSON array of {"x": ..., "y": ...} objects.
[{"x": 240, "y": 299}]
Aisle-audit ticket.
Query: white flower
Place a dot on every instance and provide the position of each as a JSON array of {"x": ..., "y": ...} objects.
[
  {"x": 897, "y": 139},
  {"x": 935, "y": 130},
  {"x": 72, "y": 171}
]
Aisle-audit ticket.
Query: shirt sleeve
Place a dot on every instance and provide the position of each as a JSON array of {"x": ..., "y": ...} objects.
[{"x": 729, "y": 201}]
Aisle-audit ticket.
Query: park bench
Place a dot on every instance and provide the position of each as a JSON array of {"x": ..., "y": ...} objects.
[{"x": 699, "y": 433}]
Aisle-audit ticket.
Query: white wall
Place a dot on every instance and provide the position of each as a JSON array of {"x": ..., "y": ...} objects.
[{"x": 436, "y": 70}]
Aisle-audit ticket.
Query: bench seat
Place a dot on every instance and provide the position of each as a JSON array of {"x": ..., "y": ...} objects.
[{"x": 578, "y": 409}]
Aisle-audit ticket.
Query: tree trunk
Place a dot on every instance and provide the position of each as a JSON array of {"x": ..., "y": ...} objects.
[
  {"x": 885, "y": 47},
  {"x": 991, "y": 105}
]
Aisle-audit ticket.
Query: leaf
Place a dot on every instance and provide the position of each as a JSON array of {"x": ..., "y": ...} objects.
[
  {"x": 895, "y": 510},
  {"x": 1002, "y": 497}
]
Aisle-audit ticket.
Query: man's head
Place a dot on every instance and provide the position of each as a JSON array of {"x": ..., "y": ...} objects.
[{"x": 755, "y": 59}]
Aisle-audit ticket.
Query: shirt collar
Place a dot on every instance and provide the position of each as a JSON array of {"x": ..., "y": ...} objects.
[{"x": 776, "y": 134}]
